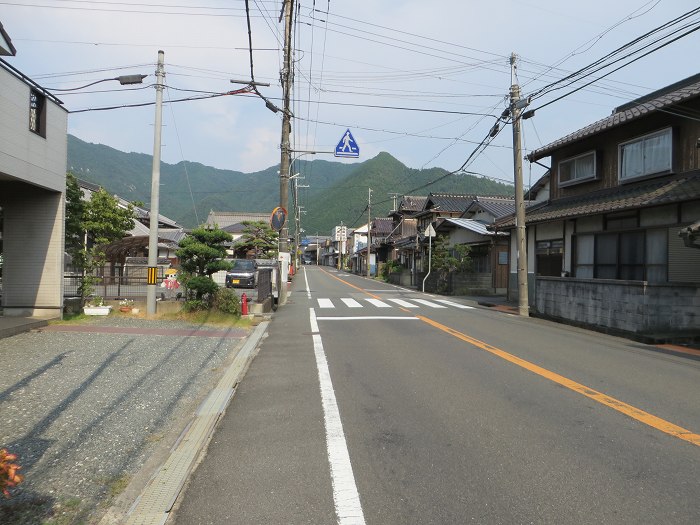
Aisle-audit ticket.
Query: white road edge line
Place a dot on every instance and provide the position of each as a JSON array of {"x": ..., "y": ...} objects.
[
  {"x": 368, "y": 318},
  {"x": 348, "y": 508},
  {"x": 306, "y": 280}
]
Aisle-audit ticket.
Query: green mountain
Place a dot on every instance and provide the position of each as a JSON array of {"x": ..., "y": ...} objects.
[{"x": 337, "y": 191}]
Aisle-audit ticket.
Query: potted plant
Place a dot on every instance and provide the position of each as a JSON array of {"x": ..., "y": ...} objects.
[
  {"x": 96, "y": 306},
  {"x": 125, "y": 305}
]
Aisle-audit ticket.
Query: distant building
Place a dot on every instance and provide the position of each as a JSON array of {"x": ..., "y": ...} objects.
[{"x": 232, "y": 222}]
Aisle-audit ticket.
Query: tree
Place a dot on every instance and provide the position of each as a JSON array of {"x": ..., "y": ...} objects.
[
  {"x": 202, "y": 254},
  {"x": 445, "y": 261},
  {"x": 90, "y": 227},
  {"x": 258, "y": 237},
  {"x": 75, "y": 209}
]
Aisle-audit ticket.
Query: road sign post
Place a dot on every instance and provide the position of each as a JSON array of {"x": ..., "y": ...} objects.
[{"x": 429, "y": 233}]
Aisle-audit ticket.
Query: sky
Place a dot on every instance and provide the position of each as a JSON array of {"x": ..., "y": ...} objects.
[{"x": 423, "y": 81}]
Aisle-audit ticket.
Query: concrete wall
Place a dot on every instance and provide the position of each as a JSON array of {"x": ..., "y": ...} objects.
[
  {"x": 628, "y": 306},
  {"x": 24, "y": 155},
  {"x": 33, "y": 243},
  {"x": 32, "y": 189}
]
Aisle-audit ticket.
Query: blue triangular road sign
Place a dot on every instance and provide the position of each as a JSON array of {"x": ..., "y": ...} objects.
[{"x": 347, "y": 147}]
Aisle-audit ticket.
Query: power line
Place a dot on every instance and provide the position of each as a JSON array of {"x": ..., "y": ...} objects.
[
  {"x": 618, "y": 68},
  {"x": 600, "y": 62},
  {"x": 145, "y": 104},
  {"x": 136, "y": 11}
]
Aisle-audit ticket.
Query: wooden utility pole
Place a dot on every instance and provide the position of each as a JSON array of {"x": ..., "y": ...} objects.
[
  {"x": 287, "y": 76},
  {"x": 516, "y": 106}
]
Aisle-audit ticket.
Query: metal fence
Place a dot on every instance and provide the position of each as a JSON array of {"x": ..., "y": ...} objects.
[
  {"x": 128, "y": 282},
  {"x": 110, "y": 287}
]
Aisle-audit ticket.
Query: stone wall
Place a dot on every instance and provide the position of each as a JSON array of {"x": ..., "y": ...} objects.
[{"x": 628, "y": 306}]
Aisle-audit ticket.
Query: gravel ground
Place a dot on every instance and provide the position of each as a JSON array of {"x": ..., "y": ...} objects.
[{"x": 85, "y": 410}]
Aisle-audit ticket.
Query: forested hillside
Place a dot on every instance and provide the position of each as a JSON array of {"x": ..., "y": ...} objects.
[{"x": 337, "y": 191}]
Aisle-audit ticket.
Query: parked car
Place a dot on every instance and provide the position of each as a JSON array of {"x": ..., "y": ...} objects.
[{"x": 243, "y": 274}]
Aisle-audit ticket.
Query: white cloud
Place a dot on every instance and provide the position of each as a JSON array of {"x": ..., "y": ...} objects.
[{"x": 376, "y": 67}]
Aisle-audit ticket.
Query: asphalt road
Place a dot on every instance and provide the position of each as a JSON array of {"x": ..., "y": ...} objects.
[{"x": 447, "y": 414}]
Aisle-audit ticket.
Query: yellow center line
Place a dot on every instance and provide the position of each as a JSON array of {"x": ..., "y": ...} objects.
[
  {"x": 604, "y": 399},
  {"x": 350, "y": 285},
  {"x": 680, "y": 349},
  {"x": 620, "y": 406}
]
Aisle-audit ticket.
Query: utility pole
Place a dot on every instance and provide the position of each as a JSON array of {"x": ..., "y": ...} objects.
[
  {"x": 297, "y": 218},
  {"x": 516, "y": 107},
  {"x": 152, "y": 279},
  {"x": 369, "y": 236},
  {"x": 287, "y": 82},
  {"x": 340, "y": 245},
  {"x": 394, "y": 197}
]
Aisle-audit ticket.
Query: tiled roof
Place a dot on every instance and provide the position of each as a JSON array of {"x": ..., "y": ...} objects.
[
  {"x": 658, "y": 100},
  {"x": 412, "y": 203},
  {"x": 227, "y": 218},
  {"x": 448, "y": 202},
  {"x": 141, "y": 214},
  {"x": 382, "y": 226},
  {"x": 475, "y": 226},
  {"x": 656, "y": 192},
  {"x": 496, "y": 206}
]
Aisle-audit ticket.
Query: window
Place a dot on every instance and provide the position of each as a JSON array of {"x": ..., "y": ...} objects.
[
  {"x": 647, "y": 155},
  {"x": 549, "y": 257},
  {"x": 577, "y": 169},
  {"x": 37, "y": 113},
  {"x": 631, "y": 256},
  {"x": 584, "y": 256}
]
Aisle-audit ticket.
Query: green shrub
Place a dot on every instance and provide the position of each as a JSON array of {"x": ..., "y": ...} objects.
[
  {"x": 203, "y": 287},
  {"x": 195, "y": 305},
  {"x": 389, "y": 268},
  {"x": 227, "y": 301}
]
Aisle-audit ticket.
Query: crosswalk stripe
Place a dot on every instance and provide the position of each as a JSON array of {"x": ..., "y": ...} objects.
[
  {"x": 378, "y": 303},
  {"x": 351, "y": 303},
  {"x": 428, "y": 303},
  {"x": 403, "y": 303},
  {"x": 456, "y": 305}
]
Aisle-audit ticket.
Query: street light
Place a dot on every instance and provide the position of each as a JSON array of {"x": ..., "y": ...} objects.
[{"x": 124, "y": 80}]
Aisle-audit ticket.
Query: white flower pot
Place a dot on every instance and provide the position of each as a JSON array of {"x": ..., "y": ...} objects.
[{"x": 97, "y": 310}]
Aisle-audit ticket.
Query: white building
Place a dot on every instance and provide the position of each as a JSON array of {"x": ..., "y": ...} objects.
[{"x": 33, "y": 152}]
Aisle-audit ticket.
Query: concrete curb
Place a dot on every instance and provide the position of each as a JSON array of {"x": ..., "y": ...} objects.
[{"x": 156, "y": 501}]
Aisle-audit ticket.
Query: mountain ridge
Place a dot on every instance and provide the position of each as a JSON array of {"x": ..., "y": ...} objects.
[{"x": 337, "y": 192}]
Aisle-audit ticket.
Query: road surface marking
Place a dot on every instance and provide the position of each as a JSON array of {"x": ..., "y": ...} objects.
[
  {"x": 403, "y": 303},
  {"x": 367, "y": 318},
  {"x": 314, "y": 324},
  {"x": 681, "y": 349},
  {"x": 615, "y": 404},
  {"x": 456, "y": 305},
  {"x": 306, "y": 280},
  {"x": 348, "y": 508},
  {"x": 351, "y": 303},
  {"x": 350, "y": 285},
  {"x": 428, "y": 303},
  {"x": 378, "y": 303},
  {"x": 325, "y": 303}
]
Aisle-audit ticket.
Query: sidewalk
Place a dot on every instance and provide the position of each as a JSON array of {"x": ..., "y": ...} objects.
[{"x": 93, "y": 409}]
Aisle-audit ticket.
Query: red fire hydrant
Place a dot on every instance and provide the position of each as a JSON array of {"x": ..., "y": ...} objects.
[{"x": 244, "y": 304}]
